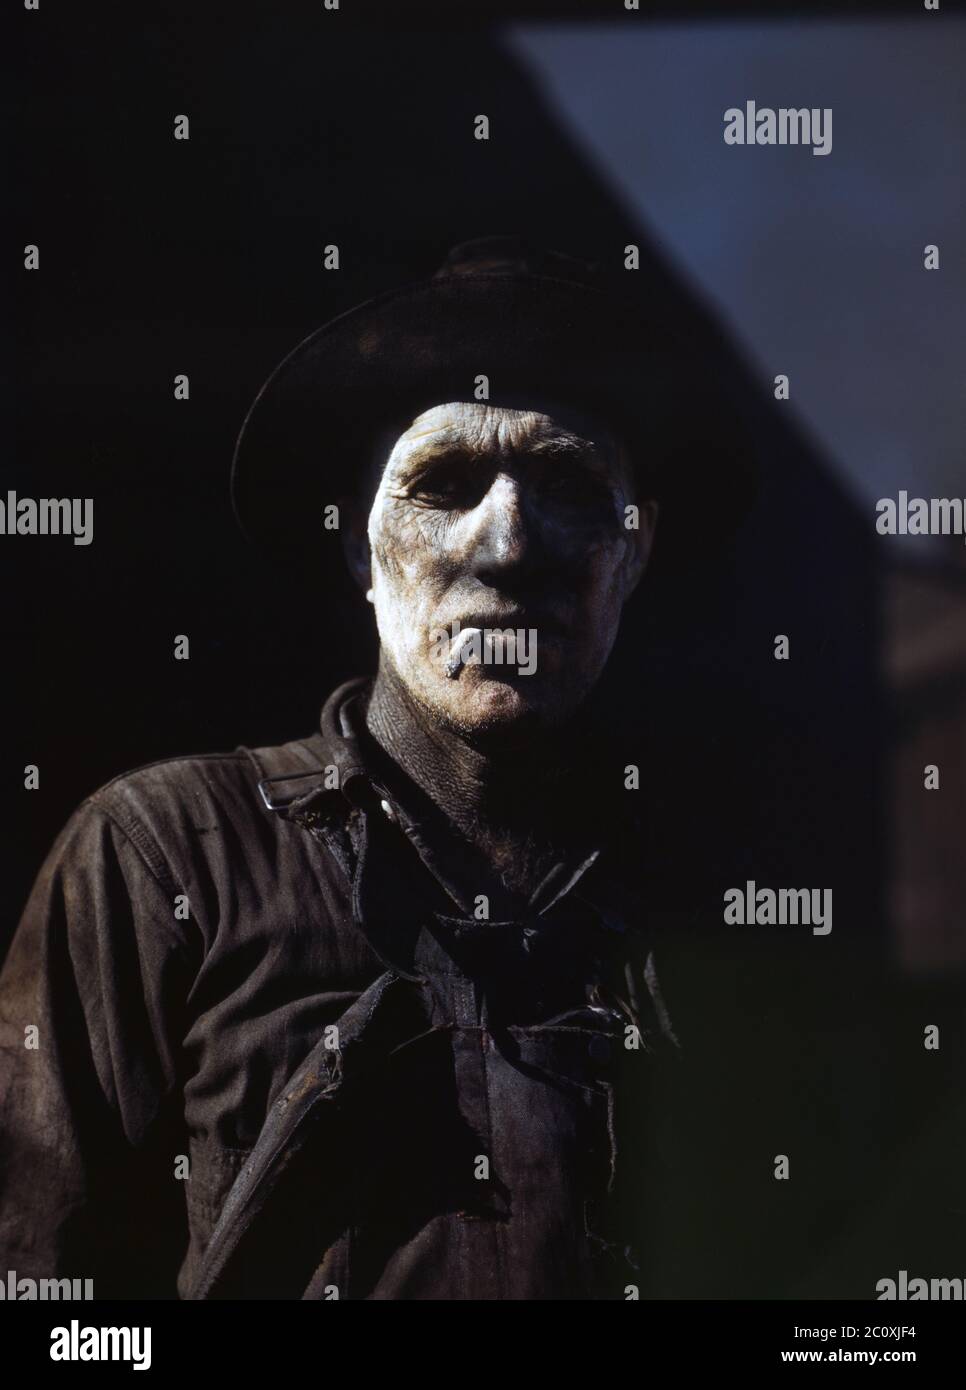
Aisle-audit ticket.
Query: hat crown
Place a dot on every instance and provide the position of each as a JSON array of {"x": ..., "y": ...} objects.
[{"x": 514, "y": 255}]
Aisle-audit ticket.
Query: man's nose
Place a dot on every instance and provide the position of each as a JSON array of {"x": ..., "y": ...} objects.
[{"x": 503, "y": 533}]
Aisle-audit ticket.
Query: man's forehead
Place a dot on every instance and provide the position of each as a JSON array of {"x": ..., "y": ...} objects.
[{"x": 478, "y": 424}]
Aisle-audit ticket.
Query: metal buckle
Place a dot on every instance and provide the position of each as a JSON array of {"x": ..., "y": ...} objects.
[{"x": 279, "y": 803}]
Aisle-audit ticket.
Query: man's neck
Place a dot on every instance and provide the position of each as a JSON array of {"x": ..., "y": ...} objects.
[
  {"x": 504, "y": 796},
  {"x": 493, "y": 782}
]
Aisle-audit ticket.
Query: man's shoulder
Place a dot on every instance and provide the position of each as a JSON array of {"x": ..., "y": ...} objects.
[
  {"x": 199, "y": 793},
  {"x": 183, "y": 778}
]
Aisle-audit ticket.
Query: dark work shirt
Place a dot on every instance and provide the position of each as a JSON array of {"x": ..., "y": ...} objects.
[{"x": 481, "y": 1123}]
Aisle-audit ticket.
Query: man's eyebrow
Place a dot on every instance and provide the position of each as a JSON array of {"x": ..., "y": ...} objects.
[
  {"x": 570, "y": 446},
  {"x": 563, "y": 443},
  {"x": 420, "y": 460},
  {"x": 438, "y": 447}
]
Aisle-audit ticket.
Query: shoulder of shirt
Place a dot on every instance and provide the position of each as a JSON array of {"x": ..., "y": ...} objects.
[
  {"x": 189, "y": 774},
  {"x": 179, "y": 776},
  {"x": 172, "y": 798}
]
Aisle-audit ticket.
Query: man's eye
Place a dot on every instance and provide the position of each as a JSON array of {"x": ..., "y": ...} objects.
[
  {"x": 574, "y": 484},
  {"x": 449, "y": 484}
]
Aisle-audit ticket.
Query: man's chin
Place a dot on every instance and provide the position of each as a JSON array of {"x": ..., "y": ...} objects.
[{"x": 481, "y": 705}]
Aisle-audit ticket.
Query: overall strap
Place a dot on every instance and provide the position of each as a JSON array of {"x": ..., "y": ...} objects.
[{"x": 250, "y": 1214}]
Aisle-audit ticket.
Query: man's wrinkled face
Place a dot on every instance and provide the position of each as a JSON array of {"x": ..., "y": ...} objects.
[{"x": 490, "y": 520}]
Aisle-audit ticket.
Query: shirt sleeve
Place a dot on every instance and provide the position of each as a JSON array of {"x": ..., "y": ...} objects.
[{"x": 92, "y": 1001}]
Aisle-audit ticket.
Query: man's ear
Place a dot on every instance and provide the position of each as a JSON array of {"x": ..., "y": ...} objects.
[
  {"x": 354, "y": 529},
  {"x": 642, "y": 540}
]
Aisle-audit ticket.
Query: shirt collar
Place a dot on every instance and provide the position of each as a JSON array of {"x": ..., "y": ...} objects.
[{"x": 342, "y": 744}]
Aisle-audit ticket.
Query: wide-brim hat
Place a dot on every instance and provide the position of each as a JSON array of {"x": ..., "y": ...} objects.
[{"x": 537, "y": 325}]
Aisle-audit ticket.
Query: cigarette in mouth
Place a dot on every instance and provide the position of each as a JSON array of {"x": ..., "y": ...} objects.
[{"x": 465, "y": 639}]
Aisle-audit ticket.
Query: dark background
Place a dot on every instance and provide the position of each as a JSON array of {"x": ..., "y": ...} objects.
[{"x": 204, "y": 257}]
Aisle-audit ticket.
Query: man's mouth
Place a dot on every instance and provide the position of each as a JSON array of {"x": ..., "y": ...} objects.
[{"x": 507, "y": 640}]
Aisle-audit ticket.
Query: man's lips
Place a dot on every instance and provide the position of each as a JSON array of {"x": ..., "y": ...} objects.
[{"x": 487, "y": 640}]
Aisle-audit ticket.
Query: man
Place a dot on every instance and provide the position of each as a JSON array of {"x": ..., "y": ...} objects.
[{"x": 379, "y": 1008}]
